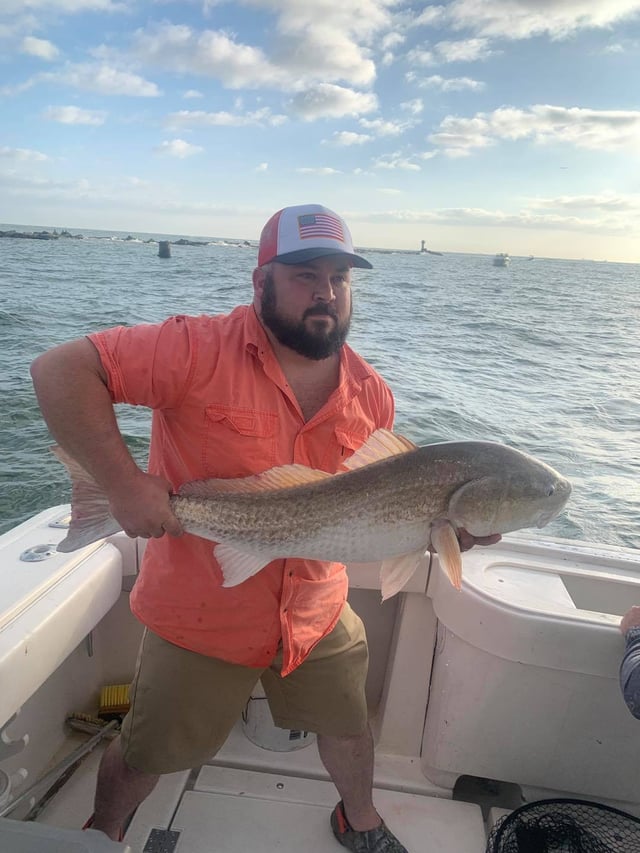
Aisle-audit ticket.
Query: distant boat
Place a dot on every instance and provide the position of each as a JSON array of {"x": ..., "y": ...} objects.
[
  {"x": 502, "y": 259},
  {"x": 424, "y": 251}
]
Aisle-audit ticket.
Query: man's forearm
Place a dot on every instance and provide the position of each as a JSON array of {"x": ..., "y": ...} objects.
[{"x": 630, "y": 671}]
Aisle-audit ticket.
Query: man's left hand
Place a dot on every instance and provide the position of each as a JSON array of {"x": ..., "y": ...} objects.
[{"x": 467, "y": 541}]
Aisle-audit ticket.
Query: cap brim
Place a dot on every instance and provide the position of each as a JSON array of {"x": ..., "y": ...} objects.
[{"x": 302, "y": 256}]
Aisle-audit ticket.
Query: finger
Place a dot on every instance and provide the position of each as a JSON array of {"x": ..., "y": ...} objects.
[{"x": 172, "y": 526}]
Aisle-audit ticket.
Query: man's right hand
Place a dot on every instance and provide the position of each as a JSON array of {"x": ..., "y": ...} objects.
[{"x": 141, "y": 505}]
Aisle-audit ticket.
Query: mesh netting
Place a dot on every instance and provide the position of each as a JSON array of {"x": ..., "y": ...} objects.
[{"x": 565, "y": 826}]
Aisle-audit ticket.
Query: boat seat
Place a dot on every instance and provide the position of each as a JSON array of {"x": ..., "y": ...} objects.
[{"x": 49, "y": 605}]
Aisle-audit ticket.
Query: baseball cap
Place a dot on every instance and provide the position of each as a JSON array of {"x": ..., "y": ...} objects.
[{"x": 295, "y": 235}]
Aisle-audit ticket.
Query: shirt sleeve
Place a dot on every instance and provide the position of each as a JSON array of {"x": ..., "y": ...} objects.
[
  {"x": 630, "y": 672},
  {"x": 149, "y": 364}
]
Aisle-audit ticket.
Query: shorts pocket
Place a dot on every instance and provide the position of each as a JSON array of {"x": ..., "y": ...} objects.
[{"x": 238, "y": 441}]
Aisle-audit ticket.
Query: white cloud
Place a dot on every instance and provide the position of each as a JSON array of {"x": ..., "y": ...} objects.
[
  {"x": 607, "y": 202},
  {"x": 41, "y": 48},
  {"x": 62, "y": 6},
  {"x": 598, "y": 130},
  {"x": 386, "y": 128},
  {"x": 178, "y": 148},
  {"x": 329, "y": 101},
  {"x": 101, "y": 78},
  {"x": 75, "y": 115},
  {"x": 318, "y": 170},
  {"x": 445, "y": 84},
  {"x": 468, "y": 50},
  {"x": 346, "y": 138},
  {"x": 262, "y": 167},
  {"x": 107, "y": 80},
  {"x": 396, "y": 161},
  {"x": 191, "y": 94},
  {"x": 518, "y": 19},
  {"x": 415, "y": 107},
  {"x": 199, "y": 118},
  {"x": 21, "y": 154}
]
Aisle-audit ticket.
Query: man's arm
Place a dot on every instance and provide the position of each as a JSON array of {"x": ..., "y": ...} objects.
[
  {"x": 630, "y": 666},
  {"x": 71, "y": 387}
]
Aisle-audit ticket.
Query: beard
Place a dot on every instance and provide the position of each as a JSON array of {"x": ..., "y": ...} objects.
[{"x": 317, "y": 344}]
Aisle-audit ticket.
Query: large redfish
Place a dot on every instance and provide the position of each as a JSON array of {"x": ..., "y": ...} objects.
[{"x": 393, "y": 502}]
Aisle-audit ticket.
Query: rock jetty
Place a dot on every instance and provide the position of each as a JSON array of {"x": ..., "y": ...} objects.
[{"x": 41, "y": 235}]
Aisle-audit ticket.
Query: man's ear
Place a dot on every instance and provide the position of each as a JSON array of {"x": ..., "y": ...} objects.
[{"x": 258, "y": 278}]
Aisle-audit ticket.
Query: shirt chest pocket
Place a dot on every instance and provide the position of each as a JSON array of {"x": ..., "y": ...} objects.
[
  {"x": 238, "y": 441},
  {"x": 342, "y": 443}
]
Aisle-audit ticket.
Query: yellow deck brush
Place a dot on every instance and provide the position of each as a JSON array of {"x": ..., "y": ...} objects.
[{"x": 114, "y": 701}]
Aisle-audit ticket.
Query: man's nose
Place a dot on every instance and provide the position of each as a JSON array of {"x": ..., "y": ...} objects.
[{"x": 323, "y": 290}]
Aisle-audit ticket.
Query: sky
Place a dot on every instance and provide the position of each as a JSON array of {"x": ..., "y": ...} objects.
[{"x": 474, "y": 125}]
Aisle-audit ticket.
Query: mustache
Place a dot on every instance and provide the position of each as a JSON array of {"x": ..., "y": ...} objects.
[{"x": 321, "y": 311}]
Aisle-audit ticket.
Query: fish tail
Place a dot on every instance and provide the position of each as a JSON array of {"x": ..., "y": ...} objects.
[{"x": 91, "y": 518}]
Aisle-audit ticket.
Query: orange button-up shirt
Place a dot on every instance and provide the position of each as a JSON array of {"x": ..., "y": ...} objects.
[{"x": 222, "y": 408}]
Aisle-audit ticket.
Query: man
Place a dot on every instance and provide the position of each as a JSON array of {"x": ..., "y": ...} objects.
[
  {"x": 630, "y": 665},
  {"x": 272, "y": 383}
]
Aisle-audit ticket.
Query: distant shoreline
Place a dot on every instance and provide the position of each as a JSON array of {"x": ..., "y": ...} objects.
[{"x": 67, "y": 235}]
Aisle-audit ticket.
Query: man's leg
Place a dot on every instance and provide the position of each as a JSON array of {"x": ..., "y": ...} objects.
[
  {"x": 349, "y": 762},
  {"x": 119, "y": 791}
]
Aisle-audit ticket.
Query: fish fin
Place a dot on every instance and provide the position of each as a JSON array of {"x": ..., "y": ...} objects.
[
  {"x": 237, "y": 566},
  {"x": 282, "y": 477},
  {"x": 445, "y": 541},
  {"x": 381, "y": 444},
  {"x": 91, "y": 519},
  {"x": 396, "y": 571}
]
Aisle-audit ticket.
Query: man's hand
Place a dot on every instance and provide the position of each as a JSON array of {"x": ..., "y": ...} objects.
[
  {"x": 631, "y": 619},
  {"x": 467, "y": 541},
  {"x": 141, "y": 505}
]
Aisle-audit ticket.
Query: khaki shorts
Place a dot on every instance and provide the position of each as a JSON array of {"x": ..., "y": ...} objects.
[{"x": 184, "y": 704}]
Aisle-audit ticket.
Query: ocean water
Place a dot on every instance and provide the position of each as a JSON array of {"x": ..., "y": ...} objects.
[{"x": 543, "y": 355}]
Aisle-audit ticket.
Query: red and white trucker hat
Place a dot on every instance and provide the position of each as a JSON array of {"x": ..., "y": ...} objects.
[{"x": 295, "y": 235}]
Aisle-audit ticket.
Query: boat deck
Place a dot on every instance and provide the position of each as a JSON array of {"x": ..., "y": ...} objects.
[{"x": 252, "y": 799}]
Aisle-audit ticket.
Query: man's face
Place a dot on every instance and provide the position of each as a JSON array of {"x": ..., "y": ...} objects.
[{"x": 307, "y": 307}]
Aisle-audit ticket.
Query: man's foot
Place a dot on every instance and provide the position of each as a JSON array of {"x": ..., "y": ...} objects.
[
  {"x": 377, "y": 840},
  {"x": 89, "y": 825}
]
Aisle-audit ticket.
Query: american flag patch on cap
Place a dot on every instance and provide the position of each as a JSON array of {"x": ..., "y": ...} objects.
[{"x": 320, "y": 225}]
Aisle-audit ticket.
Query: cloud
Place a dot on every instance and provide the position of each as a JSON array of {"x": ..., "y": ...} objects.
[
  {"x": 262, "y": 167},
  {"x": 597, "y": 130},
  {"x": 330, "y": 101},
  {"x": 468, "y": 50},
  {"x": 396, "y": 161},
  {"x": 346, "y": 138},
  {"x": 606, "y": 202},
  {"x": 41, "y": 48},
  {"x": 75, "y": 115},
  {"x": 178, "y": 148},
  {"x": 199, "y": 118},
  {"x": 415, "y": 107},
  {"x": 191, "y": 94},
  {"x": 445, "y": 84},
  {"x": 318, "y": 170},
  {"x": 88, "y": 77},
  {"x": 62, "y": 6},
  {"x": 21, "y": 154},
  {"x": 519, "y": 19},
  {"x": 386, "y": 128},
  {"x": 107, "y": 80}
]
